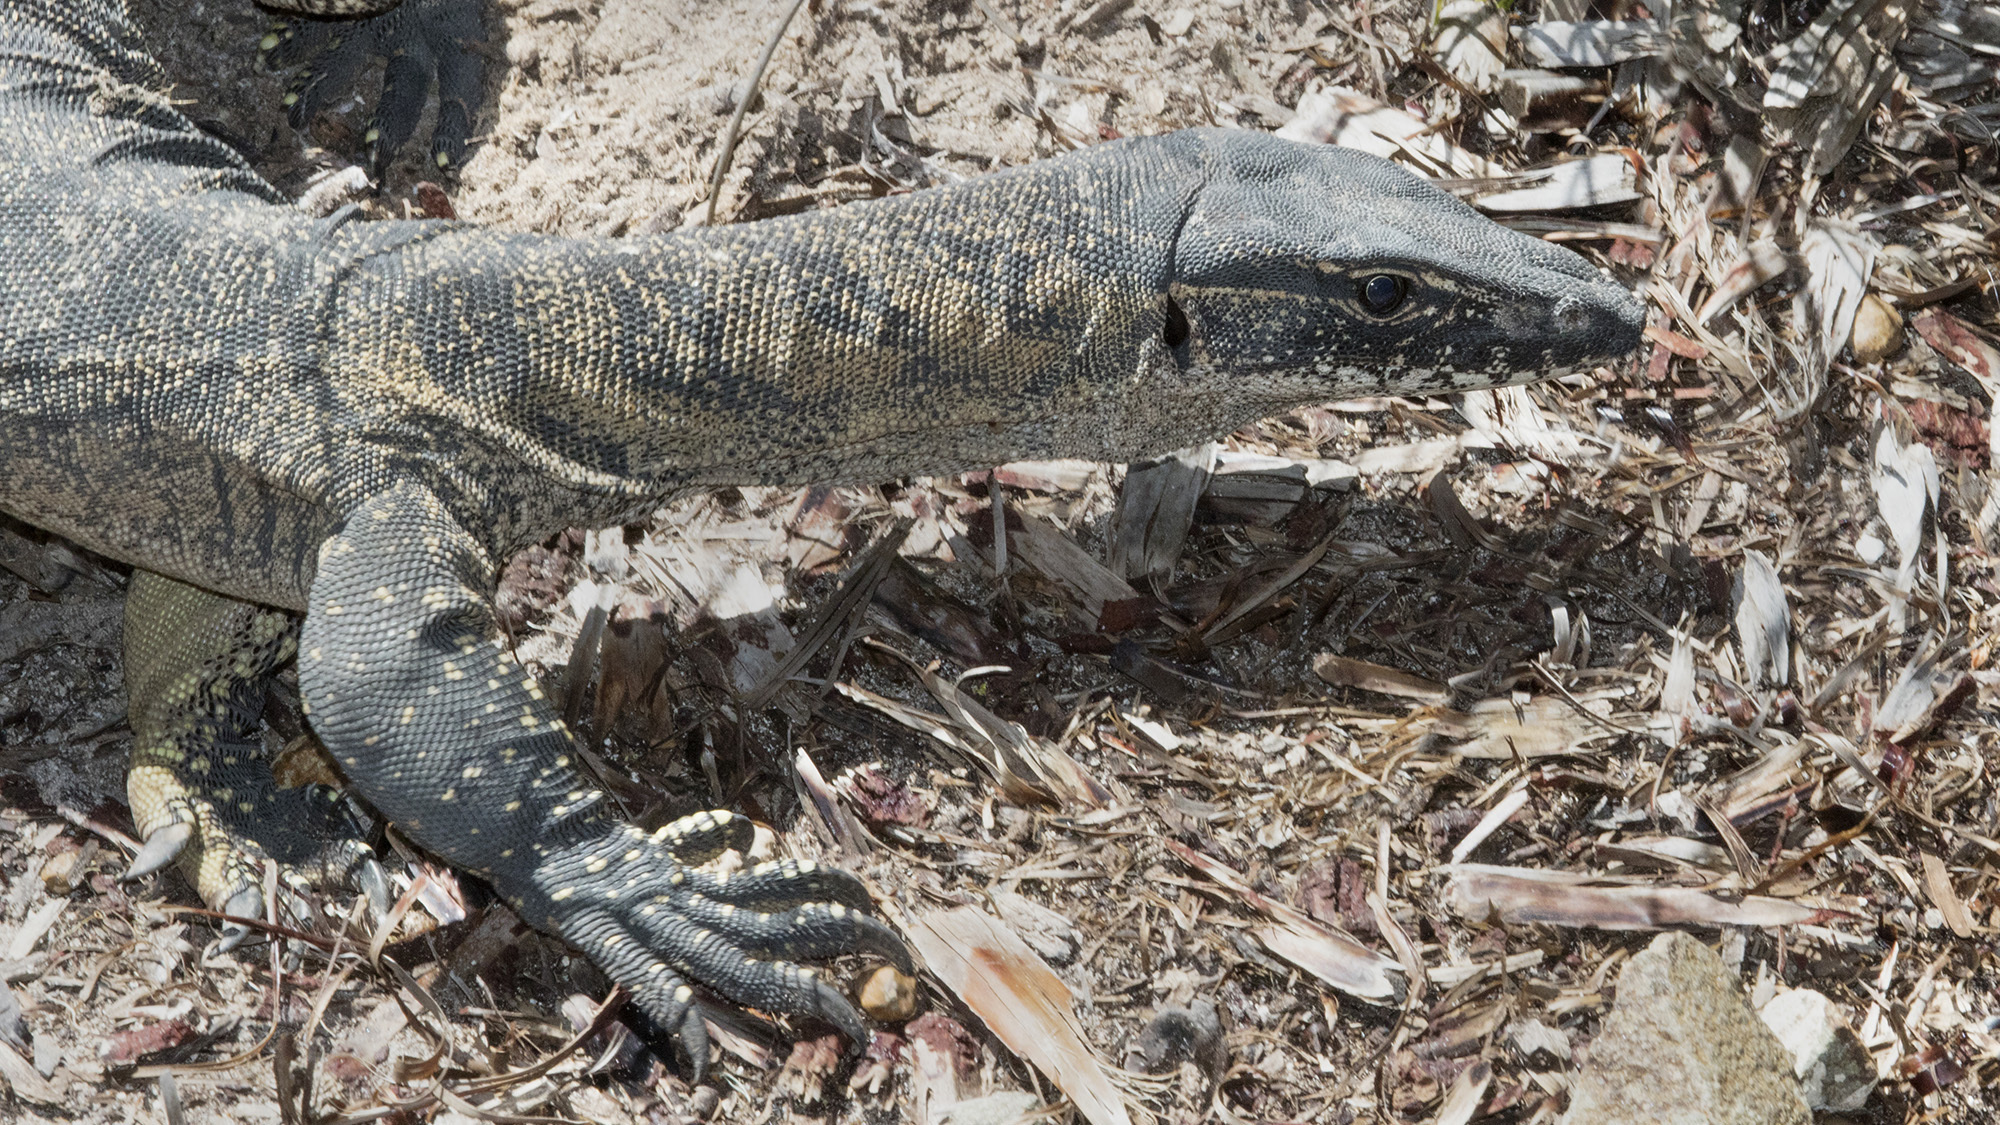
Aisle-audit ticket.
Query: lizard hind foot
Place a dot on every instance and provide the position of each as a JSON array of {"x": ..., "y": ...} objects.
[
  {"x": 225, "y": 837},
  {"x": 200, "y": 787}
]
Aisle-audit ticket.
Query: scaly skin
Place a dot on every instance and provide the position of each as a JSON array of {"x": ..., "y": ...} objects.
[{"x": 357, "y": 422}]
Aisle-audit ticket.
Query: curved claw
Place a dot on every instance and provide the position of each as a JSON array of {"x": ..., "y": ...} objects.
[
  {"x": 160, "y": 849},
  {"x": 369, "y": 877},
  {"x": 834, "y": 1009},
  {"x": 246, "y": 903},
  {"x": 693, "y": 1036}
]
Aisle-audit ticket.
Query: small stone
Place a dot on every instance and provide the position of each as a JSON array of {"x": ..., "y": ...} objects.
[
  {"x": 1180, "y": 1035},
  {"x": 1177, "y": 22},
  {"x": 1682, "y": 1047},
  {"x": 60, "y": 872},
  {"x": 1878, "y": 330},
  {"x": 1002, "y": 1108},
  {"x": 1836, "y": 1071},
  {"x": 701, "y": 1105},
  {"x": 889, "y": 996}
]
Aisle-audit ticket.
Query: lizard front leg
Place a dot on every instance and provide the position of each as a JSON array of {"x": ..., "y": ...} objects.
[
  {"x": 408, "y": 683},
  {"x": 424, "y": 45}
]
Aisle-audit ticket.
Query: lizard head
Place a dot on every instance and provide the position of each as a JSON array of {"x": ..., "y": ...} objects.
[{"x": 1314, "y": 273}]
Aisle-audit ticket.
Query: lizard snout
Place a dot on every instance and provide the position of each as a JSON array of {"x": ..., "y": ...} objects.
[{"x": 1601, "y": 322}]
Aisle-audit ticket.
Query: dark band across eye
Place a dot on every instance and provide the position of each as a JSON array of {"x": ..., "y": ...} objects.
[{"x": 1383, "y": 293}]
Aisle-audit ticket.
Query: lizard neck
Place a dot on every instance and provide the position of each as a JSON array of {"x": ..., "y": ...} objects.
[{"x": 1014, "y": 317}]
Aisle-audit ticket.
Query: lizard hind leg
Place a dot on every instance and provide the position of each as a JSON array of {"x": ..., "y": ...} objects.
[{"x": 200, "y": 786}]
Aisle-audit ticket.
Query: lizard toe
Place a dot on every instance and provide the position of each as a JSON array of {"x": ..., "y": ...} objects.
[
  {"x": 245, "y": 903},
  {"x": 782, "y": 885},
  {"x": 809, "y": 932},
  {"x": 664, "y": 1006},
  {"x": 701, "y": 837},
  {"x": 693, "y": 1036}
]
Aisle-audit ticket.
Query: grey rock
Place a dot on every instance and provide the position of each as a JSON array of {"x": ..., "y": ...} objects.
[
  {"x": 1179, "y": 1035},
  {"x": 1682, "y": 1047},
  {"x": 1836, "y": 1071}
]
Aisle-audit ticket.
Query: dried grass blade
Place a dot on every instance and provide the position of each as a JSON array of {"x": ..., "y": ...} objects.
[
  {"x": 1556, "y": 898},
  {"x": 833, "y": 617},
  {"x": 1503, "y": 729},
  {"x": 1937, "y": 882},
  {"x": 1343, "y": 671},
  {"x": 1763, "y": 622},
  {"x": 1333, "y": 957}
]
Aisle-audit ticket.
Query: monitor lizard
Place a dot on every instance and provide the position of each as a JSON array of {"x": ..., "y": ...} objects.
[{"x": 317, "y": 439}]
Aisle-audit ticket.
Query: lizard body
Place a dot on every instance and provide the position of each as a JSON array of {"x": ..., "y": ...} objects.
[{"x": 356, "y": 422}]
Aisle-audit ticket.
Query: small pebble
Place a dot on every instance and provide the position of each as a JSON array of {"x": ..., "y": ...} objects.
[
  {"x": 888, "y": 995},
  {"x": 1878, "y": 330}
]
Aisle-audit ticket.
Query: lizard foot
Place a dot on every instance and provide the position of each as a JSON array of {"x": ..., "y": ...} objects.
[
  {"x": 636, "y": 904},
  {"x": 200, "y": 786},
  {"x": 217, "y": 809},
  {"x": 425, "y": 44}
]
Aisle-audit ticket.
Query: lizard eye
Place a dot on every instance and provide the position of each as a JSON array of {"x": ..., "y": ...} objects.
[{"x": 1383, "y": 293}]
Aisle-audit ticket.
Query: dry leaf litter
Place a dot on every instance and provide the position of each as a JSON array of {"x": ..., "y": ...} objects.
[{"x": 1506, "y": 757}]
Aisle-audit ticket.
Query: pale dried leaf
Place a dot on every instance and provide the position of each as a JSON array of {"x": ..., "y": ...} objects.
[
  {"x": 1522, "y": 896},
  {"x": 1762, "y": 261},
  {"x": 1905, "y": 480},
  {"x": 1499, "y": 814},
  {"x": 1511, "y": 419},
  {"x": 1581, "y": 43},
  {"x": 1066, "y": 475},
  {"x": 1326, "y": 953},
  {"x": 1591, "y": 182},
  {"x": 1410, "y": 457},
  {"x": 1937, "y": 883},
  {"x": 999, "y": 978},
  {"x": 1677, "y": 691},
  {"x": 1838, "y": 257},
  {"x": 1763, "y": 622},
  {"x": 1341, "y": 671},
  {"x": 1471, "y": 41},
  {"x": 1313, "y": 470},
  {"x": 1803, "y": 63},
  {"x": 33, "y": 927},
  {"x": 1351, "y": 119},
  {"x": 1462, "y": 1100},
  {"x": 1503, "y": 728}
]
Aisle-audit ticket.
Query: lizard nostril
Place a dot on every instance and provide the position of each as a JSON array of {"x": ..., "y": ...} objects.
[{"x": 1571, "y": 316}]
